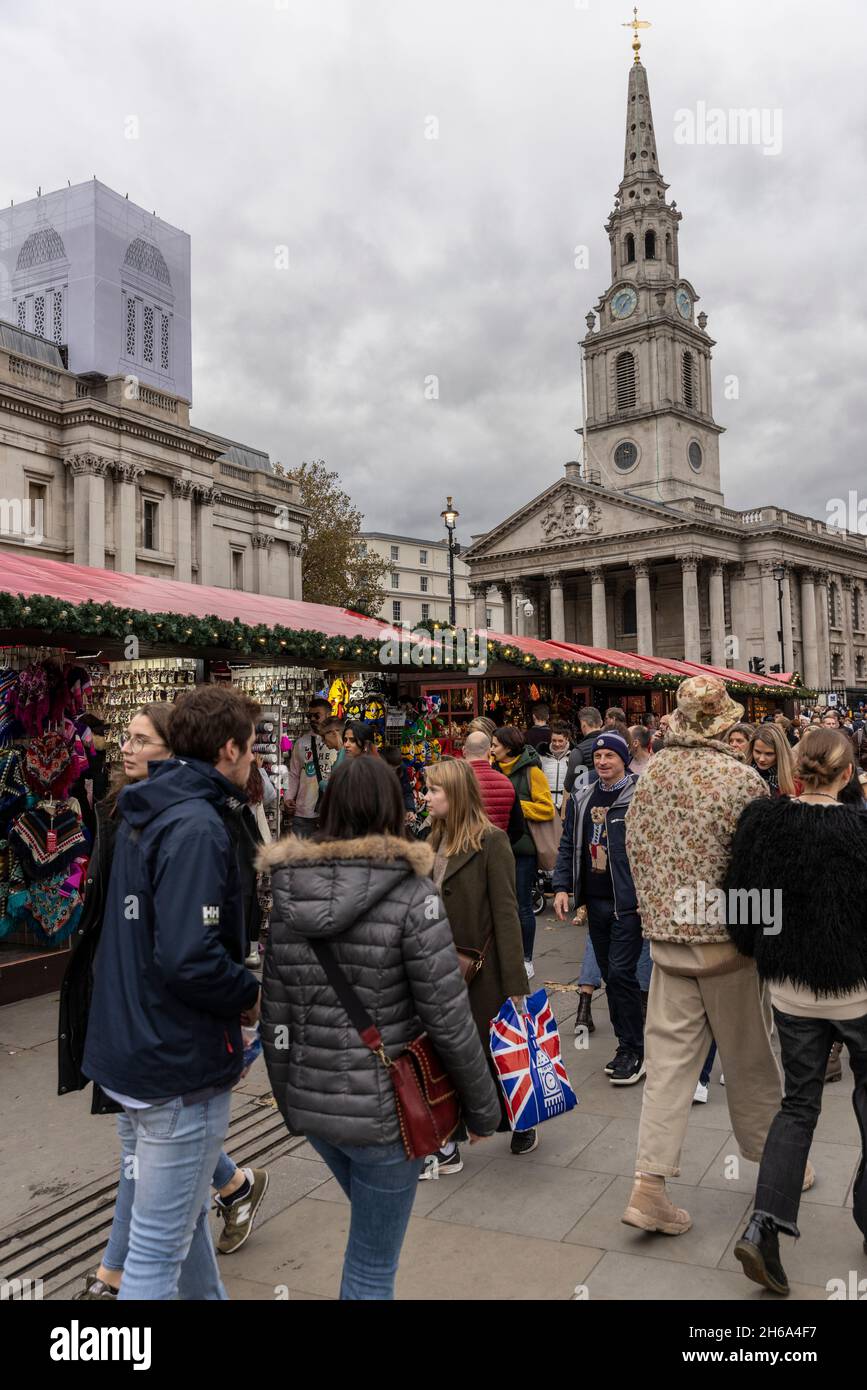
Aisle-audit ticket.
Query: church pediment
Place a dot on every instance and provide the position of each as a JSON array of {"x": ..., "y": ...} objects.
[{"x": 570, "y": 513}]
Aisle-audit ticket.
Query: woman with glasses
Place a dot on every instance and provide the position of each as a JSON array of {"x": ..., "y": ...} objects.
[{"x": 145, "y": 741}]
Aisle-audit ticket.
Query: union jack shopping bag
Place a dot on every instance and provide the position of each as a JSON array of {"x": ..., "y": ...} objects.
[{"x": 526, "y": 1052}]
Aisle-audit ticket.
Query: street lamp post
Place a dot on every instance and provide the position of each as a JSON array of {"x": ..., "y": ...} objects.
[
  {"x": 450, "y": 516},
  {"x": 779, "y": 573}
]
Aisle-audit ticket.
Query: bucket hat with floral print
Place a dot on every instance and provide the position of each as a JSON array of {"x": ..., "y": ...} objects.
[{"x": 704, "y": 708}]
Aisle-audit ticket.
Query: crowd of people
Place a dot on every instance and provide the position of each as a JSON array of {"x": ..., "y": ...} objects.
[{"x": 691, "y": 845}]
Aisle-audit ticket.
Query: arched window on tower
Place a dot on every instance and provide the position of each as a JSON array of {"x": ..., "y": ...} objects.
[
  {"x": 668, "y": 248},
  {"x": 625, "y": 381},
  {"x": 688, "y": 379},
  {"x": 630, "y": 613},
  {"x": 650, "y": 245},
  {"x": 629, "y": 248}
]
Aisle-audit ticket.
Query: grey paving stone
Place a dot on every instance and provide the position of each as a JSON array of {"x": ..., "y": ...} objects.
[
  {"x": 289, "y": 1180},
  {"x": 835, "y": 1166},
  {"x": 622, "y": 1276},
  {"x": 458, "y": 1263},
  {"x": 717, "y": 1217},
  {"x": 837, "y": 1123},
  {"x": 29, "y": 1022},
  {"x": 247, "y": 1290},
  {"x": 830, "y": 1247},
  {"x": 433, "y": 1192},
  {"x": 561, "y": 1139},
  {"x": 614, "y": 1151},
  {"x": 599, "y": 1097},
  {"x": 527, "y": 1199}
]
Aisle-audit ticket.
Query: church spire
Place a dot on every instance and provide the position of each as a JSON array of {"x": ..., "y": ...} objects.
[{"x": 639, "y": 159}]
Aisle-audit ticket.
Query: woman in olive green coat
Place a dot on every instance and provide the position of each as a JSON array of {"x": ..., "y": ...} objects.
[{"x": 474, "y": 870}]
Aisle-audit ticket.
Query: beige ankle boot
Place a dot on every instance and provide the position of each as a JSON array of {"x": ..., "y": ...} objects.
[{"x": 649, "y": 1208}]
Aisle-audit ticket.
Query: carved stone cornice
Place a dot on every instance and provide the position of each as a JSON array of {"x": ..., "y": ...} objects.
[
  {"x": 128, "y": 472},
  {"x": 80, "y": 465}
]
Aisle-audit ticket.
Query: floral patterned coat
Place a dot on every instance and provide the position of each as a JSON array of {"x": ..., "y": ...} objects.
[{"x": 679, "y": 831}]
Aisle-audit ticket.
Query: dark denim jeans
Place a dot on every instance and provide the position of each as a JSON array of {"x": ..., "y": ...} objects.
[
  {"x": 804, "y": 1046},
  {"x": 381, "y": 1183},
  {"x": 525, "y": 877},
  {"x": 617, "y": 943}
]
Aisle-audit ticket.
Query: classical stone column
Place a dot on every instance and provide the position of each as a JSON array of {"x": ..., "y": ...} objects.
[
  {"x": 738, "y": 592},
  {"x": 600, "y": 615},
  {"x": 88, "y": 508},
  {"x": 848, "y": 647},
  {"x": 480, "y": 604},
  {"x": 643, "y": 610},
  {"x": 809, "y": 636},
  {"x": 261, "y": 547},
  {"x": 505, "y": 592},
  {"x": 126, "y": 477},
  {"x": 182, "y": 492},
  {"x": 823, "y": 629},
  {"x": 691, "y": 631},
  {"x": 788, "y": 643},
  {"x": 518, "y": 617},
  {"x": 207, "y": 498},
  {"x": 770, "y": 614},
  {"x": 297, "y": 551},
  {"x": 558, "y": 611},
  {"x": 717, "y": 614}
]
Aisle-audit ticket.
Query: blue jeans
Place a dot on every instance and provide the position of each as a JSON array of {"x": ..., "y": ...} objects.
[
  {"x": 617, "y": 943},
  {"x": 526, "y": 870},
  {"x": 592, "y": 975},
  {"x": 173, "y": 1151},
  {"x": 118, "y": 1237},
  {"x": 381, "y": 1183}
]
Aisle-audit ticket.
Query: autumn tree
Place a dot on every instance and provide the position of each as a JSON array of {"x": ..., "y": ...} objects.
[{"x": 337, "y": 568}]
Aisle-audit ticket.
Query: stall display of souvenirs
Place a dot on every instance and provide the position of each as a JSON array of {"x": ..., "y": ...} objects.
[
  {"x": 420, "y": 744},
  {"x": 122, "y": 687},
  {"x": 47, "y": 759},
  {"x": 289, "y": 688}
]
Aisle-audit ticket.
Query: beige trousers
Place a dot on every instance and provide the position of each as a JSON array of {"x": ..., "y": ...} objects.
[{"x": 683, "y": 1014}]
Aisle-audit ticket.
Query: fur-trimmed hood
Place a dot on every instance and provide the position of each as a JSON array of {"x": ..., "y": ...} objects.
[{"x": 322, "y": 887}]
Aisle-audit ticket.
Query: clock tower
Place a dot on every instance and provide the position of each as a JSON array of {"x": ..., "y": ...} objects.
[{"x": 648, "y": 413}]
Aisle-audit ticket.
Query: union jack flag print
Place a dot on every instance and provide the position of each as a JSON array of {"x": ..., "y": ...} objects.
[{"x": 526, "y": 1052}]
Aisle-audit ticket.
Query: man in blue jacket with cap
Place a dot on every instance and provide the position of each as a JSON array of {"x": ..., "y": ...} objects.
[
  {"x": 592, "y": 865},
  {"x": 171, "y": 990}
]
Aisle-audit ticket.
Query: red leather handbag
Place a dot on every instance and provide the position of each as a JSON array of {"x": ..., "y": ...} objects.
[{"x": 428, "y": 1106}]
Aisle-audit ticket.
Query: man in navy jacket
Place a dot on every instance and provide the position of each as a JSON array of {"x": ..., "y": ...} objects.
[
  {"x": 171, "y": 990},
  {"x": 592, "y": 866}
]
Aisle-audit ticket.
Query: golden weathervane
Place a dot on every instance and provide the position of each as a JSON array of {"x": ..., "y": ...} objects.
[{"x": 635, "y": 24}]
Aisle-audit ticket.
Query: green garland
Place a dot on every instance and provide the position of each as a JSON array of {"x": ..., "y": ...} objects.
[{"x": 103, "y": 620}]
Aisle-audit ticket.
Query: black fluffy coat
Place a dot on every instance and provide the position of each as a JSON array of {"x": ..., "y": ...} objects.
[{"x": 817, "y": 858}]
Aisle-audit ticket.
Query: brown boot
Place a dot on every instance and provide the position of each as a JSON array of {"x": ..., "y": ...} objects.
[
  {"x": 650, "y": 1209},
  {"x": 834, "y": 1069}
]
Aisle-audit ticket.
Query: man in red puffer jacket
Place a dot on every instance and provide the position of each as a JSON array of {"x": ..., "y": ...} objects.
[{"x": 498, "y": 795}]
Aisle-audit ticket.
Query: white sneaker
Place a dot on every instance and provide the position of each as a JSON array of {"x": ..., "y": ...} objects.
[
  {"x": 722, "y": 1080},
  {"x": 700, "y": 1095},
  {"x": 530, "y": 969},
  {"x": 252, "y": 961}
]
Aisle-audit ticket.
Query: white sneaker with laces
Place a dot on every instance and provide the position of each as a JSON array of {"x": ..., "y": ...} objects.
[{"x": 700, "y": 1095}]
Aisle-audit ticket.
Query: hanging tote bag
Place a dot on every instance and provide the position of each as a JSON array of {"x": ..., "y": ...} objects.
[
  {"x": 546, "y": 837},
  {"x": 526, "y": 1051}
]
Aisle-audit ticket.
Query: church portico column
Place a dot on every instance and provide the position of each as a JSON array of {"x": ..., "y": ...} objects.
[
  {"x": 505, "y": 591},
  {"x": 737, "y": 590},
  {"x": 691, "y": 630},
  {"x": 479, "y": 592},
  {"x": 88, "y": 502},
  {"x": 297, "y": 551},
  {"x": 558, "y": 610},
  {"x": 717, "y": 614},
  {"x": 788, "y": 643},
  {"x": 519, "y": 619},
  {"x": 261, "y": 544},
  {"x": 600, "y": 615},
  {"x": 849, "y": 648},
  {"x": 770, "y": 614},
  {"x": 809, "y": 636},
  {"x": 643, "y": 611},
  {"x": 823, "y": 629},
  {"x": 207, "y": 498},
  {"x": 126, "y": 476},
  {"x": 182, "y": 491}
]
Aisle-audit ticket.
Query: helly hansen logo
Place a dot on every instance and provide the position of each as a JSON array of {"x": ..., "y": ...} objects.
[{"x": 211, "y": 916}]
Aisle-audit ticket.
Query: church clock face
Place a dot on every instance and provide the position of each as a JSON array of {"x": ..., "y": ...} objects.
[
  {"x": 623, "y": 302},
  {"x": 684, "y": 303}
]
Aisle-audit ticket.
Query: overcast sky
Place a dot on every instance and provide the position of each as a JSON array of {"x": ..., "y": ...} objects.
[{"x": 303, "y": 123}]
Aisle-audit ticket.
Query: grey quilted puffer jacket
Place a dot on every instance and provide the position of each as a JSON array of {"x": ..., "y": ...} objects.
[{"x": 371, "y": 899}]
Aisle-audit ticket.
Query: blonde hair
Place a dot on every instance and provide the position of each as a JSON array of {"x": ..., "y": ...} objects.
[
  {"x": 823, "y": 756},
  {"x": 466, "y": 822},
  {"x": 773, "y": 737},
  {"x": 482, "y": 725}
]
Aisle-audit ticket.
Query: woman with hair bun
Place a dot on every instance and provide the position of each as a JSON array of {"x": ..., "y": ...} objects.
[{"x": 813, "y": 955}]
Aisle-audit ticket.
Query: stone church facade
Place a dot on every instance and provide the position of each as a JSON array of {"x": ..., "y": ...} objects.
[
  {"x": 634, "y": 548},
  {"x": 99, "y": 464}
]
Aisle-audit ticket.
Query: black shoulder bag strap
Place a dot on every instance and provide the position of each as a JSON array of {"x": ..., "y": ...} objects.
[{"x": 359, "y": 1017}]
